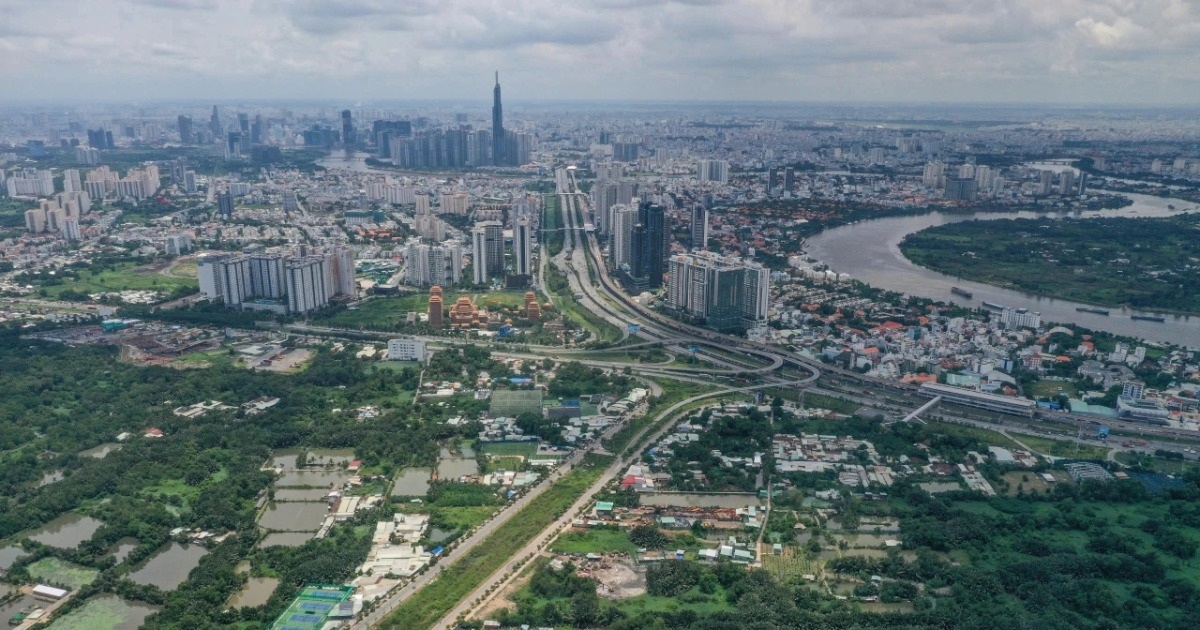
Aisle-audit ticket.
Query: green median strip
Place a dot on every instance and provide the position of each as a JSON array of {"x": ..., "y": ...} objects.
[{"x": 424, "y": 608}]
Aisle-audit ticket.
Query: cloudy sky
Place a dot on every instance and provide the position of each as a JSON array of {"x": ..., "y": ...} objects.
[{"x": 1076, "y": 51}]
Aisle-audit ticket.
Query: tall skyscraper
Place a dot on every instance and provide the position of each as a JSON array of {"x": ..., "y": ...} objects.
[
  {"x": 225, "y": 205},
  {"x": 487, "y": 250},
  {"x": 604, "y": 197},
  {"x": 623, "y": 220},
  {"x": 961, "y": 189},
  {"x": 214, "y": 123},
  {"x": 306, "y": 284},
  {"x": 656, "y": 245},
  {"x": 426, "y": 264},
  {"x": 347, "y": 129},
  {"x": 724, "y": 292},
  {"x": 499, "y": 146},
  {"x": 933, "y": 175},
  {"x": 244, "y": 122},
  {"x": 185, "y": 129},
  {"x": 699, "y": 228},
  {"x": 523, "y": 247},
  {"x": 1066, "y": 183}
]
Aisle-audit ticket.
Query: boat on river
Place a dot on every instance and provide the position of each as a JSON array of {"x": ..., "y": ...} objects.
[
  {"x": 1088, "y": 309},
  {"x": 963, "y": 292},
  {"x": 1149, "y": 318}
]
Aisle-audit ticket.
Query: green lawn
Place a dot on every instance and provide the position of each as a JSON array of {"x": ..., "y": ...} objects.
[
  {"x": 463, "y": 517},
  {"x": 523, "y": 449},
  {"x": 126, "y": 276},
  {"x": 692, "y": 600},
  {"x": 426, "y": 606},
  {"x": 594, "y": 541},
  {"x": 1062, "y": 448},
  {"x": 829, "y": 402},
  {"x": 1050, "y": 389},
  {"x": 505, "y": 462},
  {"x": 551, "y": 225},
  {"x": 983, "y": 435}
]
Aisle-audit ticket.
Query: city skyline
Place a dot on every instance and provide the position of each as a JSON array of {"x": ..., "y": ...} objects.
[{"x": 614, "y": 50}]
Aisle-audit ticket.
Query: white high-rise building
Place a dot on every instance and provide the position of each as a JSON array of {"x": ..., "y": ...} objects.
[
  {"x": 35, "y": 220},
  {"x": 604, "y": 197},
  {"x": 427, "y": 265},
  {"x": 422, "y": 201},
  {"x": 71, "y": 181},
  {"x": 1020, "y": 318},
  {"x": 267, "y": 275},
  {"x": 400, "y": 195},
  {"x": 340, "y": 261},
  {"x": 523, "y": 247},
  {"x": 713, "y": 171},
  {"x": 623, "y": 219},
  {"x": 87, "y": 155},
  {"x": 306, "y": 288},
  {"x": 724, "y": 291},
  {"x": 71, "y": 230},
  {"x": 934, "y": 175},
  {"x": 456, "y": 204},
  {"x": 487, "y": 250},
  {"x": 983, "y": 178},
  {"x": 55, "y": 218},
  {"x": 30, "y": 182},
  {"x": 226, "y": 278}
]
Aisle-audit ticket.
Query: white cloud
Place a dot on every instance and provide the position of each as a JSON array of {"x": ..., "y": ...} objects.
[{"x": 875, "y": 50}]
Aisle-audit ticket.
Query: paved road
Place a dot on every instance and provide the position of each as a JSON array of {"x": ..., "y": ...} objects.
[
  {"x": 466, "y": 606},
  {"x": 397, "y": 597}
]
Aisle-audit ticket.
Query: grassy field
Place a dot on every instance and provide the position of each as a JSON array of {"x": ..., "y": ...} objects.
[
  {"x": 424, "y": 608},
  {"x": 1159, "y": 464},
  {"x": 1049, "y": 389},
  {"x": 983, "y": 435},
  {"x": 692, "y": 600},
  {"x": 1024, "y": 481},
  {"x": 830, "y": 403},
  {"x": 791, "y": 565},
  {"x": 594, "y": 541},
  {"x": 551, "y": 225},
  {"x": 523, "y": 449},
  {"x": 1060, "y": 448},
  {"x": 51, "y": 570},
  {"x": 564, "y": 301},
  {"x": 126, "y": 277},
  {"x": 504, "y": 462}
]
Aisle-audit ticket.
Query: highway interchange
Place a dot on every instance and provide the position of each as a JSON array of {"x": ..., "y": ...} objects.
[{"x": 726, "y": 357}]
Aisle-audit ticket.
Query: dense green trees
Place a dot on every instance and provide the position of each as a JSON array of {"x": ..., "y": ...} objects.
[
  {"x": 574, "y": 379},
  {"x": 205, "y": 473},
  {"x": 1144, "y": 263}
]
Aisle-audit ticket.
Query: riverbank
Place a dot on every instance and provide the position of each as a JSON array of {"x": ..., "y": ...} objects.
[
  {"x": 869, "y": 251},
  {"x": 1114, "y": 262}
]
